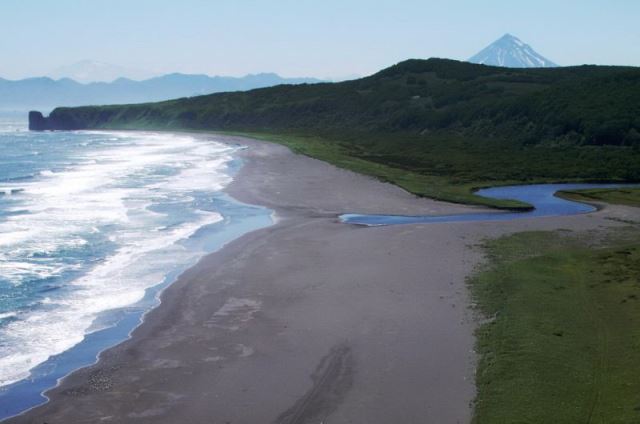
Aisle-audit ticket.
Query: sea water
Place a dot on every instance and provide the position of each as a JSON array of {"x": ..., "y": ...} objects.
[{"x": 92, "y": 226}]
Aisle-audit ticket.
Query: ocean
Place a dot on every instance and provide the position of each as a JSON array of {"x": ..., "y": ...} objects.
[{"x": 92, "y": 226}]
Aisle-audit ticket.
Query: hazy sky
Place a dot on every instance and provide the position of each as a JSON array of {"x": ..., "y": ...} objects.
[{"x": 322, "y": 38}]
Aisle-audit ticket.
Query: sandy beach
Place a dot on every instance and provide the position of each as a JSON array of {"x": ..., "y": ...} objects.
[{"x": 309, "y": 320}]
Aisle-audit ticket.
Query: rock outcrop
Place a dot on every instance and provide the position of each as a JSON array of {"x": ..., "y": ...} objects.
[
  {"x": 58, "y": 120},
  {"x": 37, "y": 122}
]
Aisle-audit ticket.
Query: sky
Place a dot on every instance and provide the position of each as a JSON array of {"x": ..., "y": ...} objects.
[{"x": 321, "y": 38}]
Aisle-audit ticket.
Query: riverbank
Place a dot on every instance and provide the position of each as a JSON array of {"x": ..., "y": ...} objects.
[
  {"x": 309, "y": 320},
  {"x": 621, "y": 196}
]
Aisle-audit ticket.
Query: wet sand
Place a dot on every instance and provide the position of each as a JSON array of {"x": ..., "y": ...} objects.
[{"x": 309, "y": 320}]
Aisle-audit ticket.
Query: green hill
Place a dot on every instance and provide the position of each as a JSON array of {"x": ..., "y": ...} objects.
[{"x": 436, "y": 127}]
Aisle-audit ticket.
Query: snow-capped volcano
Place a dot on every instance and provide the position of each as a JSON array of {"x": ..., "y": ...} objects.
[{"x": 511, "y": 52}]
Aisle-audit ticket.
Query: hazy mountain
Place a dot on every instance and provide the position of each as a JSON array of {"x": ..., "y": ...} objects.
[
  {"x": 88, "y": 71},
  {"x": 511, "y": 52},
  {"x": 46, "y": 93}
]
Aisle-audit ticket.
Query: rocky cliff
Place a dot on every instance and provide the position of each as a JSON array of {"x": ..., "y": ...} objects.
[{"x": 38, "y": 122}]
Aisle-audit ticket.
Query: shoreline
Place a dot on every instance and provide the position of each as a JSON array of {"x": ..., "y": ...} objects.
[
  {"x": 28, "y": 393},
  {"x": 303, "y": 306}
]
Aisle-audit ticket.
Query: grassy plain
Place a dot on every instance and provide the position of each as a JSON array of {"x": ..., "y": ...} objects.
[{"x": 561, "y": 343}]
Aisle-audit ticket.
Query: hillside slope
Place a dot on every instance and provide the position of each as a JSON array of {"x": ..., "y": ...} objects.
[{"x": 446, "y": 124}]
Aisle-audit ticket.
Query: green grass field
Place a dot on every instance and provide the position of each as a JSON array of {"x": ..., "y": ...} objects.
[
  {"x": 561, "y": 343},
  {"x": 626, "y": 196}
]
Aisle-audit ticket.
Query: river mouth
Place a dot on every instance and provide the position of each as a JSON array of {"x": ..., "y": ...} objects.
[{"x": 541, "y": 196}]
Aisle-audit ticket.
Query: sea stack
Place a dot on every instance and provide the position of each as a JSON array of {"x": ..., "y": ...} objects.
[{"x": 37, "y": 122}]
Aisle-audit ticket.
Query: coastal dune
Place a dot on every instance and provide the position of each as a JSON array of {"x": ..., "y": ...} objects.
[{"x": 309, "y": 320}]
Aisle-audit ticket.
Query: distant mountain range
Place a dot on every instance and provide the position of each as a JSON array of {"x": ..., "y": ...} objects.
[
  {"x": 97, "y": 83},
  {"x": 87, "y": 71},
  {"x": 47, "y": 93},
  {"x": 510, "y": 52}
]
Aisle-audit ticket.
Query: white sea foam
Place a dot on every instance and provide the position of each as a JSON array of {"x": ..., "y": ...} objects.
[{"x": 110, "y": 190}]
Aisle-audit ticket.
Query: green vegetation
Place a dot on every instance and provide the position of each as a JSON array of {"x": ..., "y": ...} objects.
[
  {"x": 421, "y": 184},
  {"x": 436, "y": 127},
  {"x": 562, "y": 344},
  {"x": 620, "y": 196}
]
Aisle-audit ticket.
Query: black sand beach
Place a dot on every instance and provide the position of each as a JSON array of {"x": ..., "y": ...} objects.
[{"x": 309, "y": 320}]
